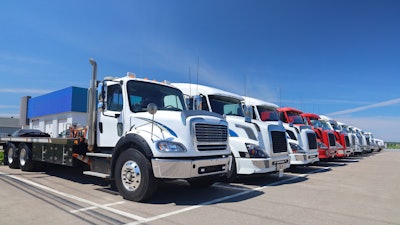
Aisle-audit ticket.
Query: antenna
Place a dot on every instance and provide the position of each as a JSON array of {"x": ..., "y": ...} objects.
[
  {"x": 190, "y": 82},
  {"x": 198, "y": 63},
  {"x": 280, "y": 97}
]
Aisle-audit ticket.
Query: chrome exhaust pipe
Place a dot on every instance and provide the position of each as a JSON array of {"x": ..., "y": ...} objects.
[{"x": 91, "y": 107}]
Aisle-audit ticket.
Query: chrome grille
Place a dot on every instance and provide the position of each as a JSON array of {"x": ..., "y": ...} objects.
[
  {"x": 279, "y": 143},
  {"x": 312, "y": 140},
  {"x": 332, "y": 141},
  {"x": 353, "y": 139},
  {"x": 347, "y": 140},
  {"x": 211, "y": 137}
]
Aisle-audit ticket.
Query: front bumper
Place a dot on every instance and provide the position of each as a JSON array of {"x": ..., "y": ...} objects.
[
  {"x": 303, "y": 158},
  {"x": 189, "y": 168}
]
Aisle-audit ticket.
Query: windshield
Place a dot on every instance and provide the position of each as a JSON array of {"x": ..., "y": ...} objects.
[
  {"x": 226, "y": 105},
  {"x": 295, "y": 117},
  {"x": 335, "y": 125},
  {"x": 320, "y": 124},
  {"x": 267, "y": 113},
  {"x": 140, "y": 94}
]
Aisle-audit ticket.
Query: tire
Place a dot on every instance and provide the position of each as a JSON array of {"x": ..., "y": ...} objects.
[
  {"x": 25, "y": 158},
  {"x": 202, "y": 182},
  {"x": 137, "y": 186},
  {"x": 232, "y": 172},
  {"x": 10, "y": 158}
]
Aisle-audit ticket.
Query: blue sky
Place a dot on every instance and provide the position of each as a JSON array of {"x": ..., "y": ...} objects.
[{"x": 337, "y": 58}]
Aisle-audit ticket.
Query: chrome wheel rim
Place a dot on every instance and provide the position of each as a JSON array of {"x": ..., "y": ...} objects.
[
  {"x": 131, "y": 175},
  {"x": 22, "y": 157},
  {"x": 10, "y": 155}
]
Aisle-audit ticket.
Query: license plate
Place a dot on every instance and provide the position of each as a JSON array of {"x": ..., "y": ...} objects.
[{"x": 280, "y": 166}]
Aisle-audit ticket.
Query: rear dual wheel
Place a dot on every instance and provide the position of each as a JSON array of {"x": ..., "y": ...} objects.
[
  {"x": 25, "y": 158},
  {"x": 10, "y": 156}
]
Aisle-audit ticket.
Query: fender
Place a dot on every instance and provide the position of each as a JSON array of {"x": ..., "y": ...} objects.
[{"x": 130, "y": 141}]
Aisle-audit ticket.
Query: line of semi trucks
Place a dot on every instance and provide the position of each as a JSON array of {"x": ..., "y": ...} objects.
[{"x": 140, "y": 132}]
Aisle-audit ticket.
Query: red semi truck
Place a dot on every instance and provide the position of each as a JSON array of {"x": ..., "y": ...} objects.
[
  {"x": 295, "y": 125},
  {"x": 344, "y": 149},
  {"x": 325, "y": 136}
]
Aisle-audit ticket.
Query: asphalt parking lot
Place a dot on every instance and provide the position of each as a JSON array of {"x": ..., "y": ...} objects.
[{"x": 357, "y": 190}]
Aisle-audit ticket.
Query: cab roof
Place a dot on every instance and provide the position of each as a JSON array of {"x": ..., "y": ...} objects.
[
  {"x": 193, "y": 89},
  {"x": 258, "y": 102}
]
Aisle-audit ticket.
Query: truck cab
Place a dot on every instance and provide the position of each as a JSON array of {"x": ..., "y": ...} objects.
[
  {"x": 255, "y": 149},
  {"x": 353, "y": 142},
  {"x": 361, "y": 139},
  {"x": 371, "y": 141},
  {"x": 325, "y": 136},
  {"x": 303, "y": 142},
  {"x": 343, "y": 148}
]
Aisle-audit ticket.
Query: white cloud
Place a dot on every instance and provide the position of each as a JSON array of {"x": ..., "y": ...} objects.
[
  {"x": 9, "y": 106},
  {"x": 362, "y": 108},
  {"x": 21, "y": 58},
  {"x": 24, "y": 90},
  {"x": 386, "y": 128}
]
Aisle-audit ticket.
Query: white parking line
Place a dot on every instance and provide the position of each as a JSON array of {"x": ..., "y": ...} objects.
[
  {"x": 141, "y": 220},
  {"x": 95, "y": 207},
  {"x": 104, "y": 207}
]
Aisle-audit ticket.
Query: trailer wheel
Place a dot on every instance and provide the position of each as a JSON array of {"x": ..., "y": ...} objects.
[
  {"x": 134, "y": 176},
  {"x": 10, "y": 158},
  {"x": 25, "y": 158}
]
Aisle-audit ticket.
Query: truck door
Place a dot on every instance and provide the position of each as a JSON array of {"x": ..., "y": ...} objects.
[{"x": 110, "y": 119}]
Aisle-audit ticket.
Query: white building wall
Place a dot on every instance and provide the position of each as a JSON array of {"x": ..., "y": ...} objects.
[{"x": 55, "y": 124}]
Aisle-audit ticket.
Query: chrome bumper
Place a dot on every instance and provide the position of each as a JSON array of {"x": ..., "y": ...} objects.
[{"x": 188, "y": 168}]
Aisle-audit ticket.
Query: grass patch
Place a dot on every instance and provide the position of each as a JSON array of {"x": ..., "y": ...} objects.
[
  {"x": 1, "y": 157},
  {"x": 393, "y": 145}
]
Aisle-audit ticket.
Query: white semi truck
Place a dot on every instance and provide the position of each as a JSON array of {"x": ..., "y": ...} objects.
[
  {"x": 138, "y": 132},
  {"x": 302, "y": 143},
  {"x": 256, "y": 147},
  {"x": 353, "y": 141}
]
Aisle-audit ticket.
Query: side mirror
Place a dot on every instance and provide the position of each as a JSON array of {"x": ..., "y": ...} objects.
[
  {"x": 197, "y": 102},
  {"x": 248, "y": 113},
  {"x": 101, "y": 97},
  {"x": 152, "y": 108}
]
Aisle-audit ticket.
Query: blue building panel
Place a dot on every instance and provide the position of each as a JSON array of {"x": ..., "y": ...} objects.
[{"x": 71, "y": 99}]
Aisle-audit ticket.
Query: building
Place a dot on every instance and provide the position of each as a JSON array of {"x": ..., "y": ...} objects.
[
  {"x": 55, "y": 112},
  {"x": 8, "y": 126}
]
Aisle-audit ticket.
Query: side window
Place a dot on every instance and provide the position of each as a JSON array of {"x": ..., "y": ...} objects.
[
  {"x": 114, "y": 98},
  {"x": 204, "y": 105},
  {"x": 282, "y": 117},
  {"x": 254, "y": 112},
  {"x": 172, "y": 101}
]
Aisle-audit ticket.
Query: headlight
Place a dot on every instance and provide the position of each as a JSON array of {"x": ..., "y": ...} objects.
[
  {"x": 296, "y": 148},
  {"x": 254, "y": 151},
  {"x": 167, "y": 146}
]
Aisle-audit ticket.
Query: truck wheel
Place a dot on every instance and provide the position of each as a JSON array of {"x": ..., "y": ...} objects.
[
  {"x": 9, "y": 156},
  {"x": 134, "y": 176},
  {"x": 25, "y": 158},
  {"x": 232, "y": 172},
  {"x": 202, "y": 181}
]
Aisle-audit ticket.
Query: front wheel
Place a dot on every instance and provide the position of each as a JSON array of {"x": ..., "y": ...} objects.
[
  {"x": 10, "y": 158},
  {"x": 232, "y": 171},
  {"x": 134, "y": 176}
]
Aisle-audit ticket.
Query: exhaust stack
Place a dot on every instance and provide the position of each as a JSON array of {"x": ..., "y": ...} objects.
[{"x": 91, "y": 108}]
